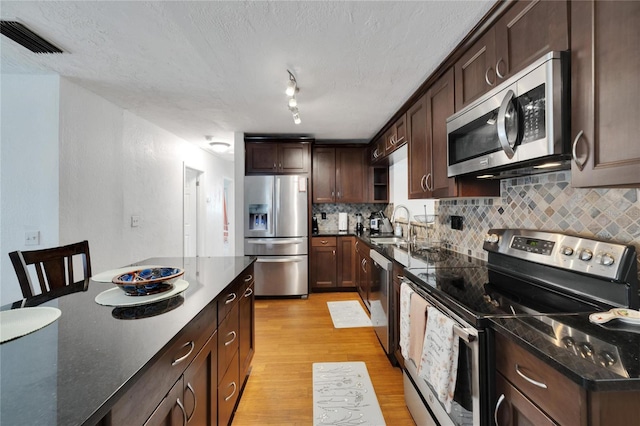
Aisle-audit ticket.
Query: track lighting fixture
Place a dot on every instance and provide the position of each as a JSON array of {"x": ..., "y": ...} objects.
[{"x": 292, "y": 89}]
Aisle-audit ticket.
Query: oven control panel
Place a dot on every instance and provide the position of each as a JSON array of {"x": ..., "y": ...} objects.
[
  {"x": 578, "y": 254},
  {"x": 532, "y": 245}
]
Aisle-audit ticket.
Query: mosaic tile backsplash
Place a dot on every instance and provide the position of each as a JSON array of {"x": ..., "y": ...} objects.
[
  {"x": 543, "y": 202},
  {"x": 332, "y": 210}
]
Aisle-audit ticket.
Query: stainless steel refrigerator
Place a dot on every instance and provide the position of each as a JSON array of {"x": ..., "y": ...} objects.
[{"x": 276, "y": 231}]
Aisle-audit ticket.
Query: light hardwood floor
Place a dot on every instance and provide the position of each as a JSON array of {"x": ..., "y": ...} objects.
[{"x": 292, "y": 334}]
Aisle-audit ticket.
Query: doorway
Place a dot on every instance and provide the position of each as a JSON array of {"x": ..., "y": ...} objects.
[{"x": 191, "y": 212}]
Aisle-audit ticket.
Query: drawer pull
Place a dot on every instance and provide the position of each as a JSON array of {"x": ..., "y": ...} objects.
[
  {"x": 495, "y": 412},
  {"x": 184, "y": 412},
  {"x": 230, "y": 298},
  {"x": 530, "y": 380},
  {"x": 232, "y": 339},
  {"x": 235, "y": 387},
  {"x": 248, "y": 292},
  {"x": 195, "y": 401},
  {"x": 249, "y": 278},
  {"x": 400, "y": 277},
  {"x": 182, "y": 358}
]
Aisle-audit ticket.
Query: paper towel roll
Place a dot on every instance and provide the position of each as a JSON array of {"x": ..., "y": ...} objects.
[{"x": 343, "y": 222}]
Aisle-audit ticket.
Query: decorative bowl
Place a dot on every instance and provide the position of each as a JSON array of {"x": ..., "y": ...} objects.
[{"x": 144, "y": 282}]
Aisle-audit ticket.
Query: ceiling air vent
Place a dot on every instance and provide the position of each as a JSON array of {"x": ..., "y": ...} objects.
[{"x": 27, "y": 38}]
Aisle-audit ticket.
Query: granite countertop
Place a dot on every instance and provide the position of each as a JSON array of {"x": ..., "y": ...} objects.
[
  {"x": 72, "y": 371},
  {"x": 620, "y": 340}
]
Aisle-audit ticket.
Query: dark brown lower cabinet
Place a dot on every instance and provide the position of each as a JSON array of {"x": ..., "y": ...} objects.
[
  {"x": 333, "y": 262},
  {"x": 198, "y": 378},
  {"x": 398, "y": 271},
  {"x": 193, "y": 398},
  {"x": 246, "y": 345},
  {"x": 515, "y": 409},
  {"x": 228, "y": 391}
]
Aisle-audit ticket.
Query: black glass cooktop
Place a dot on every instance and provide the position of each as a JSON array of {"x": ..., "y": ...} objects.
[{"x": 469, "y": 287}]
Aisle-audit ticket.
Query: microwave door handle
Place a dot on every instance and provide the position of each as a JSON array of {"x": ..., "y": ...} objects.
[{"x": 502, "y": 124}]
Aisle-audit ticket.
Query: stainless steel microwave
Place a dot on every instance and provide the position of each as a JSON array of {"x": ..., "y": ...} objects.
[{"x": 522, "y": 124}]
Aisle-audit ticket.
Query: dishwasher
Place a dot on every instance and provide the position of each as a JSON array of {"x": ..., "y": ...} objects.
[{"x": 379, "y": 297}]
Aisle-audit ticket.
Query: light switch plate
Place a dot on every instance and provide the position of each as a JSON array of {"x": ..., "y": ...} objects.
[{"x": 32, "y": 238}]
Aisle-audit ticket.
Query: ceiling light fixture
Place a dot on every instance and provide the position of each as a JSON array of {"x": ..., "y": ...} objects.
[
  {"x": 219, "y": 147},
  {"x": 292, "y": 89}
]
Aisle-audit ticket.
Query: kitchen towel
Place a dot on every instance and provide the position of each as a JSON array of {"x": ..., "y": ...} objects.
[
  {"x": 348, "y": 314},
  {"x": 405, "y": 320},
  {"x": 417, "y": 328},
  {"x": 439, "y": 364}
]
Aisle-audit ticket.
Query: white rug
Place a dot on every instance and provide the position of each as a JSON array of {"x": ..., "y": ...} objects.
[
  {"x": 347, "y": 314},
  {"x": 343, "y": 395}
]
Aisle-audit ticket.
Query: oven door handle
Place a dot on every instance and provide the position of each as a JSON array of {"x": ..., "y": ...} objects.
[{"x": 464, "y": 333}]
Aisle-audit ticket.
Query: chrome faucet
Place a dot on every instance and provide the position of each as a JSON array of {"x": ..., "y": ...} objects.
[{"x": 393, "y": 216}]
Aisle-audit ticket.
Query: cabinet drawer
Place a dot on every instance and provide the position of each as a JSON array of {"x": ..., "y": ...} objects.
[
  {"x": 137, "y": 404},
  {"x": 228, "y": 392},
  {"x": 554, "y": 393},
  {"x": 323, "y": 242},
  {"x": 229, "y": 298},
  {"x": 228, "y": 338}
]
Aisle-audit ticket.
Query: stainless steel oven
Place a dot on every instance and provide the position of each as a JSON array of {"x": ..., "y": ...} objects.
[
  {"x": 522, "y": 123},
  {"x": 466, "y": 403},
  {"x": 528, "y": 275}
]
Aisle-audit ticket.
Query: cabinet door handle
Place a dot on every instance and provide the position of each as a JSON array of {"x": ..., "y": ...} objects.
[
  {"x": 182, "y": 358},
  {"x": 274, "y": 165},
  {"x": 230, "y": 298},
  {"x": 426, "y": 181},
  {"x": 530, "y": 380},
  {"x": 422, "y": 183},
  {"x": 232, "y": 339},
  {"x": 235, "y": 387},
  {"x": 495, "y": 412},
  {"x": 184, "y": 412},
  {"x": 249, "y": 278},
  {"x": 248, "y": 292},
  {"x": 338, "y": 194},
  {"x": 498, "y": 73},
  {"x": 334, "y": 253},
  {"x": 486, "y": 77},
  {"x": 280, "y": 165},
  {"x": 574, "y": 152},
  {"x": 195, "y": 401},
  {"x": 400, "y": 277}
]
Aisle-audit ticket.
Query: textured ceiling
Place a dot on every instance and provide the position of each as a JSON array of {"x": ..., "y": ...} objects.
[{"x": 200, "y": 68}]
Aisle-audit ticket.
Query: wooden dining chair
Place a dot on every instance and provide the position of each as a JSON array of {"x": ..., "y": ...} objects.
[{"x": 54, "y": 268}]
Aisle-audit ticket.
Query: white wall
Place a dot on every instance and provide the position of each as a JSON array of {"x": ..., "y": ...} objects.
[
  {"x": 238, "y": 222},
  {"x": 29, "y": 169},
  {"x": 112, "y": 165},
  {"x": 399, "y": 186}
]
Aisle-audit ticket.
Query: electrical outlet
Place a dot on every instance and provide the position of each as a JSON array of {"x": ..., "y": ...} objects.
[
  {"x": 323, "y": 215},
  {"x": 456, "y": 222},
  {"x": 32, "y": 238},
  {"x": 135, "y": 221}
]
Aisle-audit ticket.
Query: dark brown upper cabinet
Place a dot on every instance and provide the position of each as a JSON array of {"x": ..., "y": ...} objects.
[
  {"x": 526, "y": 31},
  {"x": 396, "y": 136},
  {"x": 605, "y": 59},
  {"x": 277, "y": 157},
  {"x": 339, "y": 175}
]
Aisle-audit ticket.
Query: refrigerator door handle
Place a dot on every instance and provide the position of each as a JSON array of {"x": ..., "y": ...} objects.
[
  {"x": 276, "y": 201},
  {"x": 278, "y": 260},
  {"x": 269, "y": 241}
]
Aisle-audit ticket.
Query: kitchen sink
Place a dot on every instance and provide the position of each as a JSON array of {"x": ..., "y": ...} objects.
[{"x": 388, "y": 240}]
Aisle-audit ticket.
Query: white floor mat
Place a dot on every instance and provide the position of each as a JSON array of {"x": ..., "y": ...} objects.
[
  {"x": 347, "y": 314},
  {"x": 343, "y": 395}
]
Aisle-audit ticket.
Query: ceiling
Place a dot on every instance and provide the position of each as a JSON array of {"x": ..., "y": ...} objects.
[{"x": 199, "y": 68}]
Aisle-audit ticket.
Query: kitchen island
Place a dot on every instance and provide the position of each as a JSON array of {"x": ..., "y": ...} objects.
[{"x": 97, "y": 363}]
